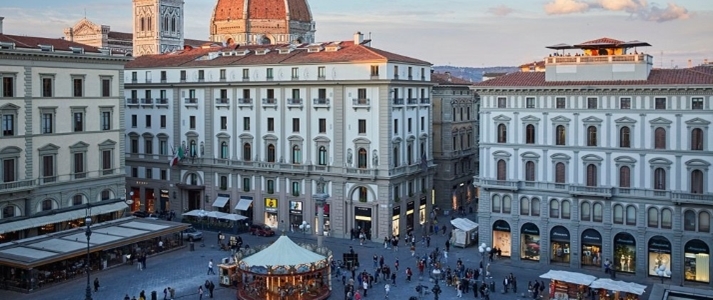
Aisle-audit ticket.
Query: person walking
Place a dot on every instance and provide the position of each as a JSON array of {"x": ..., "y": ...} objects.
[
  {"x": 408, "y": 274},
  {"x": 160, "y": 245},
  {"x": 211, "y": 287},
  {"x": 365, "y": 286},
  {"x": 96, "y": 284},
  {"x": 127, "y": 297},
  {"x": 210, "y": 267},
  {"x": 387, "y": 289},
  {"x": 200, "y": 292}
]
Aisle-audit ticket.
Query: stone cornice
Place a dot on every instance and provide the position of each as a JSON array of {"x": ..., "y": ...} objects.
[
  {"x": 619, "y": 90},
  {"x": 62, "y": 57}
]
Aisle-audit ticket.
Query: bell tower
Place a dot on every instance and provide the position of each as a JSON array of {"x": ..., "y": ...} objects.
[{"x": 158, "y": 26}]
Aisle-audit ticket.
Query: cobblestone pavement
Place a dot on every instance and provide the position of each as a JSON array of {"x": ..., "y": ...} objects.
[{"x": 185, "y": 271}]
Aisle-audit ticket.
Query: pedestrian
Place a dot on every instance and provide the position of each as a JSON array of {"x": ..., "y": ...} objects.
[
  {"x": 172, "y": 292},
  {"x": 387, "y": 288},
  {"x": 96, "y": 284},
  {"x": 200, "y": 292},
  {"x": 210, "y": 267},
  {"x": 487, "y": 272},
  {"x": 505, "y": 285},
  {"x": 393, "y": 278},
  {"x": 408, "y": 274},
  {"x": 127, "y": 297},
  {"x": 448, "y": 245},
  {"x": 142, "y": 295},
  {"x": 357, "y": 296},
  {"x": 365, "y": 285},
  {"x": 386, "y": 243},
  {"x": 165, "y": 294},
  {"x": 459, "y": 290},
  {"x": 428, "y": 241},
  {"x": 396, "y": 266},
  {"x": 143, "y": 261},
  {"x": 160, "y": 245},
  {"x": 211, "y": 287}
]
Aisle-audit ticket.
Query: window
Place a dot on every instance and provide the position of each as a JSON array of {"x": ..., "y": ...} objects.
[
  {"x": 585, "y": 212},
  {"x": 246, "y": 74},
  {"x": 566, "y": 209},
  {"x": 79, "y": 170},
  {"x": 697, "y": 103},
  {"x": 396, "y": 126},
  {"x": 77, "y": 200},
  {"x": 652, "y": 218},
  {"x": 495, "y": 203},
  {"x": 148, "y": 121},
  {"x": 106, "y": 87},
  {"x": 8, "y": 122},
  {"x": 374, "y": 70},
  {"x": 107, "y": 160},
  {"x": 396, "y": 72},
  {"x": 224, "y": 150},
  {"x": 295, "y": 188},
  {"x": 295, "y": 73},
  {"x": 322, "y": 156},
  {"x": 364, "y": 194},
  {"x": 704, "y": 222},
  {"x": 502, "y": 170},
  {"x": 396, "y": 156},
  {"x": 660, "y": 103},
  {"x": 270, "y": 124},
  {"x": 361, "y": 158},
  {"x": 597, "y": 212},
  {"x": 134, "y": 77},
  {"x": 149, "y": 173},
  {"x": 507, "y": 204},
  {"x": 502, "y": 102},
  {"x": 8, "y": 86},
  {"x": 591, "y": 175},
  {"x": 323, "y": 125},
  {"x": 659, "y": 179},
  {"x": 47, "y": 86},
  {"x": 270, "y": 186},
  {"x": 592, "y": 136},
  {"x": 193, "y": 148},
  {"x": 625, "y": 103},
  {"x": 592, "y": 103},
  {"x": 524, "y": 206},
  {"x": 502, "y": 134},
  {"x": 321, "y": 72},
  {"x": 9, "y": 211},
  {"x": 246, "y": 184},
  {"x": 223, "y": 123},
  {"x": 77, "y": 87},
  {"x": 47, "y": 121},
  {"x": 529, "y": 171},
  {"x": 295, "y": 125},
  {"x": 223, "y": 182},
  {"x": 560, "y": 102},
  {"x": 201, "y": 75},
  {"x": 134, "y": 145},
  {"x": 134, "y": 121},
  {"x": 624, "y": 177},
  {"x": 296, "y": 154},
  {"x": 423, "y": 121},
  {"x": 666, "y": 218},
  {"x": 162, "y": 146},
  {"x": 222, "y": 74},
  {"x": 560, "y": 172},
  {"x": 696, "y": 182},
  {"x": 535, "y": 205},
  {"x": 697, "y": 139},
  {"x": 618, "y": 214},
  {"x": 625, "y": 137},
  {"x": 192, "y": 122},
  {"x": 162, "y": 121},
  {"x": 560, "y": 135},
  {"x": 660, "y": 138},
  {"x": 135, "y": 172},
  {"x": 554, "y": 208},
  {"x": 246, "y": 123},
  {"x": 630, "y": 215},
  {"x": 148, "y": 145},
  {"x": 106, "y": 119},
  {"x": 269, "y": 74},
  {"x": 247, "y": 154},
  {"x": 48, "y": 168},
  {"x": 78, "y": 120},
  {"x": 362, "y": 126},
  {"x": 689, "y": 220},
  {"x": 271, "y": 153},
  {"x": 530, "y": 134},
  {"x": 9, "y": 169},
  {"x": 530, "y": 102},
  {"x": 183, "y": 75}
]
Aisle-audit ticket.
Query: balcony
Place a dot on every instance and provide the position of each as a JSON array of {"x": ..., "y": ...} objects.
[
  {"x": 146, "y": 102},
  {"x": 269, "y": 102},
  {"x": 405, "y": 170},
  {"x": 367, "y": 173},
  {"x": 222, "y": 102},
  {"x": 245, "y": 102},
  {"x": 191, "y": 102},
  {"x": 425, "y": 100},
  {"x": 511, "y": 185},
  {"x": 600, "y": 59},
  {"x": 412, "y": 100},
  {"x": 132, "y": 102},
  {"x": 361, "y": 103},
  {"x": 596, "y": 191},
  {"x": 320, "y": 103},
  {"x": 397, "y": 101},
  {"x": 688, "y": 198},
  {"x": 294, "y": 102},
  {"x": 17, "y": 186},
  {"x": 374, "y": 76},
  {"x": 162, "y": 102}
]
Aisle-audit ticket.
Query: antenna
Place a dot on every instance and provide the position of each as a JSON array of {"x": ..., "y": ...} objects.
[{"x": 85, "y": 13}]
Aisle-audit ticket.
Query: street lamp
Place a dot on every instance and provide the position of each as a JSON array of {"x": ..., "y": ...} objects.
[
  {"x": 662, "y": 272},
  {"x": 304, "y": 227},
  {"x": 320, "y": 200},
  {"x": 88, "y": 233}
]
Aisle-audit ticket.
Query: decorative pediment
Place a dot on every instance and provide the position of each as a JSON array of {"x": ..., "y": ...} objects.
[
  {"x": 530, "y": 154},
  {"x": 269, "y": 137},
  {"x": 561, "y": 119},
  {"x": 49, "y": 147},
  {"x": 295, "y": 138},
  {"x": 321, "y": 139},
  {"x": 133, "y": 135},
  {"x": 560, "y": 156},
  {"x": 246, "y": 136},
  {"x": 86, "y": 27},
  {"x": 396, "y": 140},
  {"x": 79, "y": 145},
  {"x": 11, "y": 150},
  {"x": 222, "y": 135},
  {"x": 660, "y": 161},
  {"x": 361, "y": 140},
  {"x": 592, "y": 158},
  {"x": 697, "y": 122},
  {"x": 661, "y": 121},
  {"x": 162, "y": 136},
  {"x": 501, "y": 153},
  {"x": 192, "y": 134},
  {"x": 107, "y": 143},
  {"x": 625, "y": 160},
  {"x": 424, "y": 136},
  {"x": 147, "y": 135},
  {"x": 411, "y": 138},
  {"x": 530, "y": 119},
  {"x": 626, "y": 120},
  {"x": 9, "y": 106},
  {"x": 698, "y": 163},
  {"x": 592, "y": 119},
  {"x": 502, "y": 118}
]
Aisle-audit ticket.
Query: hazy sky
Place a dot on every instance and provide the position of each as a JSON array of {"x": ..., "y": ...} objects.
[{"x": 457, "y": 32}]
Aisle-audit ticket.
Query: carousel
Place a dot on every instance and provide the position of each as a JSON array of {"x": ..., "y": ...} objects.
[{"x": 284, "y": 270}]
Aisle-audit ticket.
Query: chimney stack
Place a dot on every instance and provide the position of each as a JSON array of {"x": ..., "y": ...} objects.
[
  {"x": 690, "y": 63},
  {"x": 358, "y": 38},
  {"x": 1, "y": 18}
]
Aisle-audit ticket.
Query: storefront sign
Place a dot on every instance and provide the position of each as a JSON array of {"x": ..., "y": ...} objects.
[
  {"x": 271, "y": 204},
  {"x": 409, "y": 207},
  {"x": 423, "y": 200},
  {"x": 560, "y": 234},
  {"x": 501, "y": 225},
  {"x": 624, "y": 239},
  {"x": 396, "y": 211},
  {"x": 530, "y": 228},
  {"x": 659, "y": 244},
  {"x": 164, "y": 194},
  {"x": 362, "y": 213},
  {"x": 296, "y": 207},
  {"x": 696, "y": 246},
  {"x": 591, "y": 237}
]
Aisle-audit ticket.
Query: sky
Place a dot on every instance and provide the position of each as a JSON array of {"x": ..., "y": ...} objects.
[{"x": 464, "y": 33}]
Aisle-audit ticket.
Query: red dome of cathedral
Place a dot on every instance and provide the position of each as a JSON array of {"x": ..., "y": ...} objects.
[{"x": 296, "y": 10}]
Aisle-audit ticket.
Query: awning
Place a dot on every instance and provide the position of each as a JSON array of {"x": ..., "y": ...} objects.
[
  {"x": 221, "y": 201},
  {"x": 464, "y": 224},
  {"x": 61, "y": 217},
  {"x": 571, "y": 277},
  {"x": 243, "y": 204}
]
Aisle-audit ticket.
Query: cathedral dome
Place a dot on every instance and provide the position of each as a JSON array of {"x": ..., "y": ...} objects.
[{"x": 294, "y": 10}]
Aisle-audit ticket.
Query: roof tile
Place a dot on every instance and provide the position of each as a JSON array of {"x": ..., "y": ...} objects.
[{"x": 32, "y": 42}]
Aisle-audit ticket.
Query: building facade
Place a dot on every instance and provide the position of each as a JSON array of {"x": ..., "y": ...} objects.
[
  {"x": 265, "y": 127},
  {"x": 600, "y": 158},
  {"x": 455, "y": 136},
  {"x": 62, "y": 134}
]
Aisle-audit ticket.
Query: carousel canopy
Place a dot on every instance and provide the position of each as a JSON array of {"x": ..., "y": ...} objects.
[
  {"x": 283, "y": 252},
  {"x": 571, "y": 277},
  {"x": 618, "y": 286}
]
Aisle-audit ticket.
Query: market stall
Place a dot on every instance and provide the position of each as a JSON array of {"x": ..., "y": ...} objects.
[
  {"x": 465, "y": 232},
  {"x": 568, "y": 285},
  {"x": 284, "y": 270},
  {"x": 614, "y": 289}
]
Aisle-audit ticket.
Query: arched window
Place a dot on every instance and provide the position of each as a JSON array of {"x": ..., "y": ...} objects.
[
  {"x": 560, "y": 172},
  {"x": 689, "y": 220},
  {"x": 224, "y": 150},
  {"x": 148, "y": 24},
  {"x": 47, "y": 205},
  {"x": 223, "y": 182},
  {"x": 193, "y": 149},
  {"x": 143, "y": 24},
  {"x": 322, "y": 159},
  {"x": 535, "y": 206},
  {"x": 659, "y": 179},
  {"x": 530, "y": 134},
  {"x": 502, "y": 170},
  {"x": 77, "y": 199},
  {"x": 173, "y": 24},
  {"x": 561, "y": 135},
  {"x": 361, "y": 158},
  {"x": 363, "y": 194},
  {"x": 524, "y": 206},
  {"x": 507, "y": 204},
  {"x": 165, "y": 24},
  {"x": 8, "y": 211},
  {"x": 666, "y": 218},
  {"x": 409, "y": 155},
  {"x": 592, "y": 136},
  {"x": 696, "y": 182},
  {"x": 554, "y": 208},
  {"x": 565, "y": 209},
  {"x": 624, "y": 177},
  {"x": 585, "y": 213},
  {"x": 247, "y": 152},
  {"x": 271, "y": 153},
  {"x": 660, "y": 138},
  {"x": 625, "y": 137},
  {"x": 530, "y": 171},
  {"x": 697, "y": 139},
  {"x": 396, "y": 156},
  {"x": 591, "y": 175},
  {"x": 502, "y": 134},
  {"x": 630, "y": 215},
  {"x": 653, "y": 217},
  {"x": 597, "y": 212},
  {"x": 704, "y": 221},
  {"x": 296, "y": 154},
  {"x": 495, "y": 203},
  {"x": 618, "y": 214}
]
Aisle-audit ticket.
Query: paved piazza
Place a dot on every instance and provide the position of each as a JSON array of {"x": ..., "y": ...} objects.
[{"x": 185, "y": 271}]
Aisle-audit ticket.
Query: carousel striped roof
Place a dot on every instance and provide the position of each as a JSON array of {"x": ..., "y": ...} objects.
[{"x": 283, "y": 252}]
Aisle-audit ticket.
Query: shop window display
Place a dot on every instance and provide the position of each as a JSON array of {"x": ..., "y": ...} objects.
[
  {"x": 696, "y": 261},
  {"x": 625, "y": 253},
  {"x": 591, "y": 248},
  {"x": 530, "y": 242},
  {"x": 559, "y": 248},
  {"x": 659, "y": 256},
  {"x": 502, "y": 238}
]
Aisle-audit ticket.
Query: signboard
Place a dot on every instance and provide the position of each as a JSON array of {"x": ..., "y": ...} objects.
[
  {"x": 296, "y": 207},
  {"x": 271, "y": 204}
]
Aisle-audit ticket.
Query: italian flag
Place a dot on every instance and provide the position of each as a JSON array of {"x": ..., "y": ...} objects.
[{"x": 177, "y": 157}]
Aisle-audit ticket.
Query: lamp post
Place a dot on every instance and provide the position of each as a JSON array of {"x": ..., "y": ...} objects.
[
  {"x": 304, "y": 227},
  {"x": 88, "y": 233},
  {"x": 320, "y": 200}
]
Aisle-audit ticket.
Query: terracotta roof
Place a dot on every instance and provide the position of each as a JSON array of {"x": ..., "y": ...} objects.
[
  {"x": 120, "y": 35},
  {"x": 696, "y": 75},
  {"x": 298, "y": 10},
  {"x": 448, "y": 79},
  {"x": 540, "y": 64},
  {"x": 604, "y": 40},
  {"x": 349, "y": 52},
  {"x": 33, "y": 42},
  {"x": 195, "y": 43}
]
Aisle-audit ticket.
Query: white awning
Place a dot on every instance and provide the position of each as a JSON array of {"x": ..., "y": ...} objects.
[
  {"x": 61, "y": 217},
  {"x": 244, "y": 204},
  {"x": 464, "y": 224},
  {"x": 220, "y": 201}
]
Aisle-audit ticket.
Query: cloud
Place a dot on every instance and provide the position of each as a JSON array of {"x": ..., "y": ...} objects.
[
  {"x": 640, "y": 9},
  {"x": 501, "y": 10}
]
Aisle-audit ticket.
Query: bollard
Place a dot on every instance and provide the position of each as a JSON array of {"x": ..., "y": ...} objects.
[
  {"x": 192, "y": 246},
  {"x": 153, "y": 295}
]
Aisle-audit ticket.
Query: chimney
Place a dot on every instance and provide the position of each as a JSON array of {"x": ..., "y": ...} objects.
[
  {"x": 690, "y": 63},
  {"x": 358, "y": 38},
  {"x": 1, "y": 18}
]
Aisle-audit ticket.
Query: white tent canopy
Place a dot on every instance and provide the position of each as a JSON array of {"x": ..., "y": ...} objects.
[
  {"x": 571, "y": 277},
  {"x": 283, "y": 252},
  {"x": 195, "y": 213},
  {"x": 464, "y": 224},
  {"x": 231, "y": 217},
  {"x": 618, "y": 286}
]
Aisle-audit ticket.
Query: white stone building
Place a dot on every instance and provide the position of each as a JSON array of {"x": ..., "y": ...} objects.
[{"x": 600, "y": 157}]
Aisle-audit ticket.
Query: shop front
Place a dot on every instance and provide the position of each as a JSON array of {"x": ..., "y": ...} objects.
[
  {"x": 271, "y": 218},
  {"x": 326, "y": 219},
  {"x": 245, "y": 206},
  {"x": 362, "y": 219},
  {"x": 530, "y": 242},
  {"x": 395, "y": 220},
  {"x": 696, "y": 261},
  {"x": 659, "y": 256},
  {"x": 422, "y": 210},
  {"x": 165, "y": 200},
  {"x": 409, "y": 216},
  {"x": 502, "y": 238},
  {"x": 625, "y": 253},
  {"x": 135, "y": 195},
  {"x": 559, "y": 245},
  {"x": 296, "y": 214},
  {"x": 591, "y": 248},
  {"x": 150, "y": 196}
]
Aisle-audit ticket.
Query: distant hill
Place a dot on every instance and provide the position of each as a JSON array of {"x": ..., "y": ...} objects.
[{"x": 473, "y": 74}]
